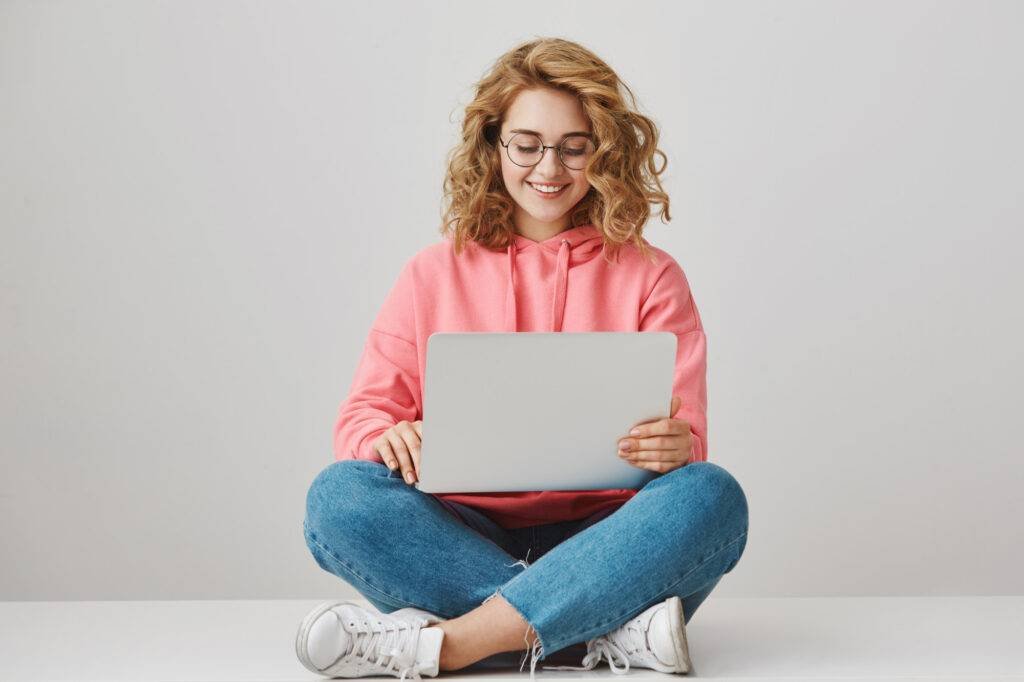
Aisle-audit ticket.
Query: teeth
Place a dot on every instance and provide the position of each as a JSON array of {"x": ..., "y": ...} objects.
[{"x": 547, "y": 188}]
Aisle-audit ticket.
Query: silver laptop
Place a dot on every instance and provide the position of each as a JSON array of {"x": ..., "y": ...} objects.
[{"x": 530, "y": 411}]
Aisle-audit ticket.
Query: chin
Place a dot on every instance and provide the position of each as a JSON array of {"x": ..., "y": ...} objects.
[
  {"x": 547, "y": 216},
  {"x": 529, "y": 202}
]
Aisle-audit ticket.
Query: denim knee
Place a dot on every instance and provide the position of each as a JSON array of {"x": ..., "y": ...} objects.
[
  {"x": 719, "y": 488},
  {"x": 341, "y": 493}
]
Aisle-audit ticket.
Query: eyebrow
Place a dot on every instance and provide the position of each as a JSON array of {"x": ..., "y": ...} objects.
[{"x": 534, "y": 132}]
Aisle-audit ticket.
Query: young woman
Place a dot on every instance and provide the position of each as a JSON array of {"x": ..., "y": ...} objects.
[{"x": 548, "y": 193}]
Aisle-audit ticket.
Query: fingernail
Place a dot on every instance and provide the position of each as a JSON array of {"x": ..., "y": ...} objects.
[
  {"x": 635, "y": 432},
  {"x": 408, "y": 476},
  {"x": 624, "y": 444}
]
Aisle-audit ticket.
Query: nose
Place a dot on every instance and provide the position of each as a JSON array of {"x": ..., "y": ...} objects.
[{"x": 550, "y": 166}]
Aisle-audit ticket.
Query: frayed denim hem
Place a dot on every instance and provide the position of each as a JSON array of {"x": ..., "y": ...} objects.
[{"x": 536, "y": 651}]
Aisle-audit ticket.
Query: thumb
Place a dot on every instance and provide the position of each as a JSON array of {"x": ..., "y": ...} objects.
[{"x": 676, "y": 402}]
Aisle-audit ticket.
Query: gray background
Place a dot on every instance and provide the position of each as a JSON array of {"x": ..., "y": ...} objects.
[{"x": 204, "y": 204}]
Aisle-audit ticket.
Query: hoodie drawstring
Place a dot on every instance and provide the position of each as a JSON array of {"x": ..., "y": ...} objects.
[
  {"x": 557, "y": 298},
  {"x": 510, "y": 295},
  {"x": 561, "y": 275}
]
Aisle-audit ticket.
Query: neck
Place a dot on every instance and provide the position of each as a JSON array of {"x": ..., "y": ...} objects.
[{"x": 537, "y": 230}]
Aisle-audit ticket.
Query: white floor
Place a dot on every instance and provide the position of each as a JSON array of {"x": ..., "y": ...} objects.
[{"x": 960, "y": 638}]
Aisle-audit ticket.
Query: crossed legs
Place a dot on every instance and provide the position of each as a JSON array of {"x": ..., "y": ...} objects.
[{"x": 399, "y": 547}]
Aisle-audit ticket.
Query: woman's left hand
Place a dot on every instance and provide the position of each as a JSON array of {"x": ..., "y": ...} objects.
[{"x": 661, "y": 445}]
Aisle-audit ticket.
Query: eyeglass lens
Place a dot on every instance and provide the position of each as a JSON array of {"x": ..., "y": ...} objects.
[{"x": 526, "y": 150}]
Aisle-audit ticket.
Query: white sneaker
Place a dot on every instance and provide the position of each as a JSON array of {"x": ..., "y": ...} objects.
[
  {"x": 345, "y": 639},
  {"x": 655, "y": 639}
]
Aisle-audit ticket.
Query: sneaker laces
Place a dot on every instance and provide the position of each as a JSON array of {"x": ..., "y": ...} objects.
[
  {"x": 620, "y": 642},
  {"x": 394, "y": 641}
]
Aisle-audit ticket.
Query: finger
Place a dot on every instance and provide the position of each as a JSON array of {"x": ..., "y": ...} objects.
[
  {"x": 650, "y": 428},
  {"x": 658, "y": 467},
  {"x": 404, "y": 458},
  {"x": 412, "y": 442},
  {"x": 674, "y": 443},
  {"x": 654, "y": 456},
  {"x": 419, "y": 428},
  {"x": 662, "y": 466},
  {"x": 676, "y": 402},
  {"x": 662, "y": 427},
  {"x": 383, "y": 448}
]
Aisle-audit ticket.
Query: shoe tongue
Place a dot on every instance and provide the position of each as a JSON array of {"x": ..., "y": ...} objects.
[
  {"x": 347, "y": 611},
  {"x": 429, "y": 650},
  {"x": 659, "y": 637}
]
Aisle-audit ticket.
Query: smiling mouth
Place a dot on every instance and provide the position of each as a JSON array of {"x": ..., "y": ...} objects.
[{"x": 548, "y": 193}]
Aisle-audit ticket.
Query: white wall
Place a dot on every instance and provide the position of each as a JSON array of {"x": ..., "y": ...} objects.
[{"x": 203, "y": 204}]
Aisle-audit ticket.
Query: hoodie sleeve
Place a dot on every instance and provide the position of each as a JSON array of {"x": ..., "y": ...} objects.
[
  {"x": 670, "y": 307},
  {"x": 386, "y": 386}
]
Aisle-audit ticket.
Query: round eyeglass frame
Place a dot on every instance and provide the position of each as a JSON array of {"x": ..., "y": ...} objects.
[{"x": 543, "y": 149}]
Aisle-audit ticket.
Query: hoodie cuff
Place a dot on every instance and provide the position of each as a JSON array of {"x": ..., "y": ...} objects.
[
  {"x": 364, "y": 450},
  {"x": 695, "y": 448}
]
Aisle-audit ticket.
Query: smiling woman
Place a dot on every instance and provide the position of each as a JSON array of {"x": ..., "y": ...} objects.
[
  {"x": 545, "y": 185},
  {"x": 554, "y": 170},
  {"x": 554, "y": 115}
]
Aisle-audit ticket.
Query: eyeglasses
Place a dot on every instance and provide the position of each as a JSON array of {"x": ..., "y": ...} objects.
[{"x": 526, "y": 150}]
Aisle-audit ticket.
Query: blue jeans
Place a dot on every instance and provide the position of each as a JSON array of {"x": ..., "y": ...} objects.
[{"x": 570, "y": 581}]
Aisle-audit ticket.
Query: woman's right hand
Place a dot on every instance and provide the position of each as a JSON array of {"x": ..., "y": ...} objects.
[{"x": 399, "y": 447}]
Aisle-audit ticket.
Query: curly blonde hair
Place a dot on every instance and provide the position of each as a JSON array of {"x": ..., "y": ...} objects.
[{"x": 621, "y": 172}]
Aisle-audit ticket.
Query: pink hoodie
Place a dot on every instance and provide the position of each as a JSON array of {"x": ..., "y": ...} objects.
[{"x": 560, "y": 284}]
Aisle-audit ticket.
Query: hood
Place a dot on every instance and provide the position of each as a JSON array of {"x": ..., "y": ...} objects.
[{"x": 569, "y": 248}]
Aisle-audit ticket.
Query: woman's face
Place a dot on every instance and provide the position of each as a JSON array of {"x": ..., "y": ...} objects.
[{"x": 552, "y": 114}]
